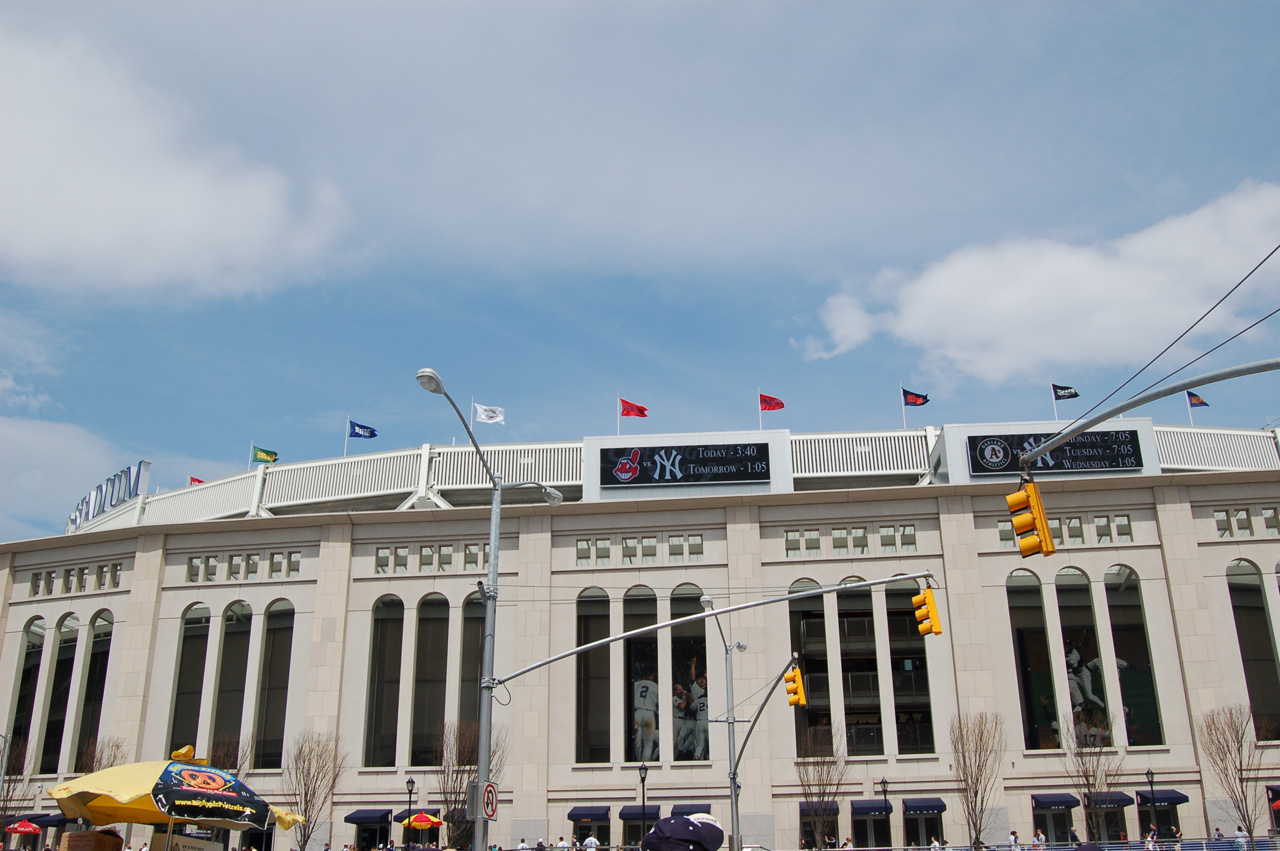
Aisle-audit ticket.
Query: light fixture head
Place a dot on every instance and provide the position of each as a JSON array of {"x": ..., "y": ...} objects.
[
  {"x": 707, "y": 602},
  {"x": 1151, "y": 775},
  {"x": 430, "y": 381},
  {"x": 552, "y": 496},
  {"x": 644, "y": 772},
  {"x": 409, "y": 784}
]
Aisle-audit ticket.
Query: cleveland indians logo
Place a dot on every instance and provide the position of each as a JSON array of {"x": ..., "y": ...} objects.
[
  {"x": 204, "y": 780},
  {"x": 628, "y": 468}
]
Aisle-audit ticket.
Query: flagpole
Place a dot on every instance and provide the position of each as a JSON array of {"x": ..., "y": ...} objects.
[
  {"x": 473, "y": 411},
  {"x": 903, "y": 399},
  {"x": 346, "y": 436},
  {"x": 1190, "y": 418},
  {"x": 1054, "y": 394},
  {"x": 760, "y": 406},
  {"x": 249, "y": 466},
  {"x": 617, "y": 409}
]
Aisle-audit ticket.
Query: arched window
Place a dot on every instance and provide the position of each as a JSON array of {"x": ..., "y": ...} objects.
[
  {"x": 224, "y": 750},
  {"x": 911, "y": 702},
  {"x": 190, "y": 681},
  {"x": 1257, "y": 648},
  {"x": 273, "y": 684},
  {"x": 640, "y": 609},
  {"x": 689, "y": 673},
  {"x": 384, "y": 683},
  {"x": 472, "y": 658},
  {"x": 430, "y": 673},
  {"x": 809, "y": 641},
  {"x": 592, "y": 716},
  {"x": 25, "y": 703},
  {"x": 1031, "y": 657},
  {"x": 863, "y": 726},
  {"x": 56, "y": 722},
  {"x": 95, "y": 684},
  {"x": 1141, "y": 714},
  {"x": 1090, "y": 705}
]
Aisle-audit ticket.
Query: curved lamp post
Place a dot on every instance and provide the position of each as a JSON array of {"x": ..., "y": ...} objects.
[
  {"x": 735, "y": 838},
  {"x": 430, "y": 381}
]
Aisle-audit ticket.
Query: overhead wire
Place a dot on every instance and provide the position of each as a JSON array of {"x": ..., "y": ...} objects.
[{"x": 1175, "y": 342}]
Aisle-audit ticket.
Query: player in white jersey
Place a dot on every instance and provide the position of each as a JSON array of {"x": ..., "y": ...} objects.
[
  {"x": 702, "y": 725},
  {"x": 645, "y": 692},
  {"x": 682, "y": 715}
]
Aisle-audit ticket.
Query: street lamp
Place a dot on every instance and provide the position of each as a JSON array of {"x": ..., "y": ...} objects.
[
  {"x": 1151, "y": 786},
  {"x": 430, "y": 381},
  {"x": 884, "y": 790},
  {"x": 408, "y": 784},
  {"x": 644, "y": 811},
  {"x": 735, "y": 837}
]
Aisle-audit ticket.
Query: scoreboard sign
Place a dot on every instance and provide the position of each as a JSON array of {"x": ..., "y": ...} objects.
[
  {"x": 698, "y": 464},
  {"x": 1089, "y": 452}
]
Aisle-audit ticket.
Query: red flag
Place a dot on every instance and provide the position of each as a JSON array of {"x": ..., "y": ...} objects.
[
  {"x": 631, "y": 409},
  {"x": 770, "y": 403},
  {"x": 192, "y": 480}
]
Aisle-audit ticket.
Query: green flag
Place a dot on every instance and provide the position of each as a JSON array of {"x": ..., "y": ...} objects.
[{"x": 260, "y": 454}]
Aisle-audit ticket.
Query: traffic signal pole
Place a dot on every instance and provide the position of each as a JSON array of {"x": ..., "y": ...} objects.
[{"x": 1026, "y": 459}]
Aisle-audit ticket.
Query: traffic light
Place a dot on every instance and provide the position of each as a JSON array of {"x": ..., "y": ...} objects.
[
  {"x": 927, "y": 613},
  {"x": 795, "y": 688},
  {"x": 1033, "y": 521}
]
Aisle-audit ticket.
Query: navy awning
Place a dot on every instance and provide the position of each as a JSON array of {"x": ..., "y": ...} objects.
[
  {"x": 50, "y": 819},
  {"x": 1108, "y": 799},
  {"x": 1164, "y": 797},
  {"x": 589, "y": 814},
  {"x": 1054, "y": 801},
  {"x": 634, "y": 812},
  {"x": 924, "y": 805},
  {"x": 404, "y": 814},
  {"x": 369, "y": 817},
  {"x": 870, "y": 807},
  {"x": 821, "y": 808},
  {"x": 690, "y": 809}
]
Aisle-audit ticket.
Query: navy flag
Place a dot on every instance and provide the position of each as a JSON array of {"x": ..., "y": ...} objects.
[
  {"x": 357, "y": 430},
  {"x": 1061, "y": 392},
  {"x": 1195, "y": 400},
  {"x": 913, "y": 400}
]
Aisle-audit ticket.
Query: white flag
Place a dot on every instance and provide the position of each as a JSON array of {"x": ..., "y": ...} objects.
[{"x": 489, "y": 414}]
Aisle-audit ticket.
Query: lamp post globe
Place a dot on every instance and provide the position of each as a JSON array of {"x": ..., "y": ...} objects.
[{"x": 430, "y": 381}]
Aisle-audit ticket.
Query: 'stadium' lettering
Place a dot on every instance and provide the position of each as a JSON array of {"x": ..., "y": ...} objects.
[{"x": 112, "y": 493}]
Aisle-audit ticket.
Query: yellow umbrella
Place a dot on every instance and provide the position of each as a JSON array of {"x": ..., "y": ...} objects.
[{"x": 167, "y": 791}]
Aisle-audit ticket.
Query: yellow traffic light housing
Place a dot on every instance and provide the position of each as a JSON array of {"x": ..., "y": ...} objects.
[
  {"x": 1029, "y": 521},
  {"x": 795, "y": 688},
  {"x": 927, "y": 613}
]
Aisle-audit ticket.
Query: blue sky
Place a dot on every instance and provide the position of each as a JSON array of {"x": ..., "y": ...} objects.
[{"x": 227, "y": 222}]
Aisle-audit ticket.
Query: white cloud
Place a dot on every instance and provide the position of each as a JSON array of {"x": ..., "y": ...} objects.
[
  {"x": 1026, "y": 307},
  {"x": 104, "y": 188},
  {"x": 15, "y": 395}
]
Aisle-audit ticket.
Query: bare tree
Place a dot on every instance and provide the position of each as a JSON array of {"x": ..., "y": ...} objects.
[
  {"x": 1229, "y": 736},
  {"x": 821, "y": 770},
  {"x": 98, "y": 754},
  {"x": 313, "y": 765},
  {"x": 16, "y": 788},
  {"x": 459, "y": 747},
  {"x": 232, "y": 753},
  {"x": 977, "y": 745},
  {"x": 1091, "y": 763}
]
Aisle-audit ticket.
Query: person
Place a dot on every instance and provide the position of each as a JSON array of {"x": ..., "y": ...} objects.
[
  {"x": 645, "y": 694},
  {"x": 1241, "y": 838},
  {"x": 1217, "y": 833},
  {"x": 702, "y": 724},
  {"x": 541, "y": 846},
  {"x": 1073, "y": 836},
  {"x": 831, "y": 841},
  {"x": 1037, "y": 841},
  {"x": 591, "y": 841},
  {"x": 683, "y": 719},
  {"x": 1013, "y": 840},
  {"x": 562, "y": 843},
  {"x": 848, "y": 842},
  {"x": 934, "y": 844},
  {"x": 523, "y": 846},
  {"x": 1151, "y": 840}
]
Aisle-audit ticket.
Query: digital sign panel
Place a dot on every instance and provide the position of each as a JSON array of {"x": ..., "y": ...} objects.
[
  {"x": 697, "y": 464},
  {"x": 997, "y": 454}
]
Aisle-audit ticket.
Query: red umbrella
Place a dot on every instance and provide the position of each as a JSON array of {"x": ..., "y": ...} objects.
[
  {"x": 422, "y": 821},
  {"x": 22, "y": 827}
]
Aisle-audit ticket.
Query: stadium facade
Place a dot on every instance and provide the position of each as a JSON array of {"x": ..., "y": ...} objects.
[{"x": 341, "y": 595}]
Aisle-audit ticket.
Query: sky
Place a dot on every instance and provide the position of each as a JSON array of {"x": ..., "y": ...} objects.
[{"x": 235, "y": 223}]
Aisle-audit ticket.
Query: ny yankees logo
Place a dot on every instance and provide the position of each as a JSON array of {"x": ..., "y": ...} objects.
[
  {"x": 668, "y": 464},
  {"x": 628, "y": 468}
]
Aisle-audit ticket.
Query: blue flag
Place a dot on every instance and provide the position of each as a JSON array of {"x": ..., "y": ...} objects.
[
  {"x": 1195, "y": 400},
  {"x": 357, "y": 430}
]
